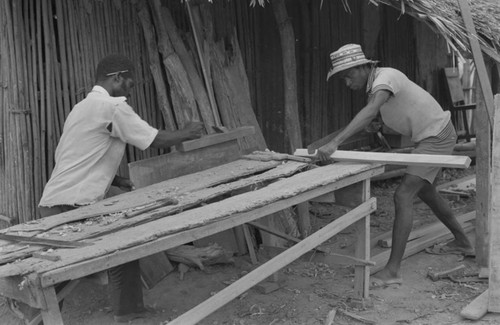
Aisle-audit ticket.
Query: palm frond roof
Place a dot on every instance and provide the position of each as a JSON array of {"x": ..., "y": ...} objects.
[{"x": 445, "y": 18}]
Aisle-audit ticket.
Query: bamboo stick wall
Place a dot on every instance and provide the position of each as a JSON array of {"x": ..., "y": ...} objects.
[{"x": 49, "y": 51}]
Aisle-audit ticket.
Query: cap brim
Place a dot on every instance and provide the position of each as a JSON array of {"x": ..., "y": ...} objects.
[{"x": 343, "y": 67}]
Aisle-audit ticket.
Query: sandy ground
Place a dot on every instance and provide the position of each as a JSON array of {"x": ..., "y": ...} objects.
[{"x": 310, "y": 290}]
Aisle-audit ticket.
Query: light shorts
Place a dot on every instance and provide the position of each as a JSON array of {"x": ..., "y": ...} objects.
[{"x": 441, "y": 144}]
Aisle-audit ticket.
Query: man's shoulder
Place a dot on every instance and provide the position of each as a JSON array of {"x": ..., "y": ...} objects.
[{"x": 389, "y": 72}]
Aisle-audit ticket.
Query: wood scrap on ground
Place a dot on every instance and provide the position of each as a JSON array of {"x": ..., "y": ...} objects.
[
  {"x": 477, "y": 308},
  {"x": 330, "y": 317}
]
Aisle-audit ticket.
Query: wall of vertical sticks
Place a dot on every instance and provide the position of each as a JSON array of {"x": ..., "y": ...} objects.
[{"x": 50, "y": 48}]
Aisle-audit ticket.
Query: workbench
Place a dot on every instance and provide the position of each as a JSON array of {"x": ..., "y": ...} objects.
[{"x": 105, "y": 237}]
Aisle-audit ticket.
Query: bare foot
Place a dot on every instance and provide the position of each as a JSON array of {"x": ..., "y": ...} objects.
[{"x": 385, "y": 278}]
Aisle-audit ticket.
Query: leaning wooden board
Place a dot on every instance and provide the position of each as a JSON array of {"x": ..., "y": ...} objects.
[
  {"x": 391, "y": 158},
  {"x": 128, "y": 237}
]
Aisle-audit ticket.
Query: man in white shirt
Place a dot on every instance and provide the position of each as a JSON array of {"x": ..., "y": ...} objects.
[
  {"x": 89, "y": 153},
  {"x": 410, "y": 110}
]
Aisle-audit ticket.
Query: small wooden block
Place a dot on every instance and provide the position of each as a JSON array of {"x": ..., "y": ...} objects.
[{"x": 477, "y": 308}]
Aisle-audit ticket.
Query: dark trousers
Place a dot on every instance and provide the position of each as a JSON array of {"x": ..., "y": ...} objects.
[{"x": 125, "y": 286}]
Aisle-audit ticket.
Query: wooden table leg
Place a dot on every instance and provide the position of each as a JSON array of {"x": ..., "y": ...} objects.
[
  {"x": 51, "y": 315},
  {"x": 362, "y": 249},
  {"x": 304, "y": 220},
  {"x": 249, "y": 241}
]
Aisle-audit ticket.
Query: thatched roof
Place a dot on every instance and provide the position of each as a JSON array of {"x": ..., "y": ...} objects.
[{"x": 444, "y": 17}]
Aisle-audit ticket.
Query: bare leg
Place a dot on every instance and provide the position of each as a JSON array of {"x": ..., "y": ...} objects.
[
  {"x": 403, "y": 202},
  {"x": 443, "y": 212}
]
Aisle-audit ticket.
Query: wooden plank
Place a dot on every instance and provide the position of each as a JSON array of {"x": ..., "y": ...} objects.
[
  {"x": 449, "y": 161},
  {"x": 214, "y": 139},
  {"x": 177, "y": 163},
  {"x": 494, "y": 237},
  {"x": 43, "y": 241},
  {"x": 184, "y": 184},
  {"x": 195, "y": 198},
  {"x": 224, "y": 296},
  {"x": 477, "y": 308},
  {"x": 125, "y": 248}
]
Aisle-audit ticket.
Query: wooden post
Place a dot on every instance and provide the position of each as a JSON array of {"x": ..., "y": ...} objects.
[
  {"x": 485, "y": 115},
  {"x": 494, "y": 279},
  {"x": 52, "y": 313},
  {"x": 362, "y": 249}
]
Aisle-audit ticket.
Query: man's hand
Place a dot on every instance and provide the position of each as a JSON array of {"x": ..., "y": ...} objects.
[
  {"x": 326, "y": 151},
  {"x": 123, "y": 183},
  {"x": 193, "y": 130}
]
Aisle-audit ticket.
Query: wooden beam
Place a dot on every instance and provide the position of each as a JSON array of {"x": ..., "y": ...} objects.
[
  {"x": 449, "y": 161},
  {"x": 212, "y": 139},
  {"x": 478, "y": 58},
  {"x": 494, "y": 217},
  {"x": 224, "y": 296}
]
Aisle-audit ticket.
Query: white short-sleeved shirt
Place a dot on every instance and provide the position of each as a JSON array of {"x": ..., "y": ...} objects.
[
  {"x": 91, "y": 148},
  {"x": 411, "y": 110}
]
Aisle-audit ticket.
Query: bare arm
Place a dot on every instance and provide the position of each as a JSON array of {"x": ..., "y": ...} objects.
[
  {"x": 358, "y": 123},
  {"x": 165, "y": 139}
]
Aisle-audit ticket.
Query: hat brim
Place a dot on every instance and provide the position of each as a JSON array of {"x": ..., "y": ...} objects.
[{"x": 348, "y": 66}]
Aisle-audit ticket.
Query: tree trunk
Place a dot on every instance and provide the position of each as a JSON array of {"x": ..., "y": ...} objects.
[{"x": 292, "y": 124}]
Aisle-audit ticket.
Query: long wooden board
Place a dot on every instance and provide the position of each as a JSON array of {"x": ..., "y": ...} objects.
[
  {"x": 174, "y": 187},
  {"x": 391, "y": 158},
  {"x": 323, "y": 179},
  {"x": 262, "y": 272}
]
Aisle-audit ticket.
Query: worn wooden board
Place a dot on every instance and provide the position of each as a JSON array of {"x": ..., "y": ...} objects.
[
  {"x": 103, "y": 262},
  {"x": 324, "y": 179},
  {"x": 449, "y": 161},
  {"x": 174, "y": 187},
  {"x": 187, "y": 199},
  {"x": 217, "y": 138}
]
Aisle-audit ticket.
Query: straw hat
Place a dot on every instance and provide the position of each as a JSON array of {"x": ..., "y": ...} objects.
[{"x": 346, "y": 57}]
